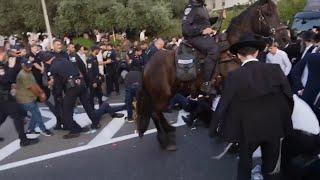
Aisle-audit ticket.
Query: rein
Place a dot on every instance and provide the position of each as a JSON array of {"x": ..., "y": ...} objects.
[{"x": 262, "y": 21}]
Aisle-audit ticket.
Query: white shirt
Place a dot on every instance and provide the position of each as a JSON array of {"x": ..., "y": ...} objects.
[
  {"x": 100, "y": 59},
  {"x": 315, "y": 49},
  {"x": 249, "y": 60},
  {"x": 83, "y": 57},
  {"x": 142, "y": 36},
  {"x": 305, "y": 74},
  {"x": 282, "y": 59}
]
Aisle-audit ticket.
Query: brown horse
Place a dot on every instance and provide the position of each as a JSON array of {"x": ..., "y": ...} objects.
[{"x": 159, "y": 78}]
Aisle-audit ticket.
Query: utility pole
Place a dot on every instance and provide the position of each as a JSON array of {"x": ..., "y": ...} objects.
[{"x": 46, "y": 19}]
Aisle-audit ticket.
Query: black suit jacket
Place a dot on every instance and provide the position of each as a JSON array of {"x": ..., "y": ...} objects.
[
  {"x": 297, "y": 72},
  {"x": 256, "y": 104},
  {"x": 313, "y": 83},
  {"x": 82, "y": 68}
]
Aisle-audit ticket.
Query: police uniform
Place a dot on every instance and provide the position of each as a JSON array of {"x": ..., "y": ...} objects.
[
  {"x": 137, "y": 63},
  {"x": 111, "y": 72},
  {"x": 9, "y": 106},
  {"x": 94, "y": 78},
  {"x": 149, "y": 53},
  {"x": 195, "y": 20},
  {"x": 64, "y": 72},
  {"x": 57, "y": 91}
]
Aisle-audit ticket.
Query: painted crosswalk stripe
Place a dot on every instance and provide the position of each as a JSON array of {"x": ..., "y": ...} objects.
[{"x": 85, "y": 147}]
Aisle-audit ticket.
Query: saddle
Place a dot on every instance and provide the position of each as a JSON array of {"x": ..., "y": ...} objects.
[{"x": 189, "y": 60}]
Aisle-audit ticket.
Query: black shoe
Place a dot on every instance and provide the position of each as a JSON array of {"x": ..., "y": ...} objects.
[
  {"x": 28, "y": 142},
  {"x": 85, "y": 129},
  {"x": 71, "y": 135},
  {"x": 117, "y": 115},
  {"x": 95, "y": 126},
  {"x": 130, "y": 120},
  {"x": 1, "y": 139},
  {"x": 47, "y": 133},
  {"x": 188, "y": 121},
  {"x": 33, "y": 132}
]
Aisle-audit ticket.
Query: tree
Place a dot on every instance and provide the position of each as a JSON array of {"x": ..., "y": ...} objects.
[
  {"x": 73, "y": 17},
  {"x": 288, "y": 8}
]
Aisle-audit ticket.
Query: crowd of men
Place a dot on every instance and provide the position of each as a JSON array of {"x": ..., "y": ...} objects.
[
  {"x": 32, "y": 73},
  {"x": 65, "y": 74}
]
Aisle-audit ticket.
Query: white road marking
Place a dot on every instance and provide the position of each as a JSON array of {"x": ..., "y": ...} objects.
[
  {"x": 15, "y": 145},
  {"x": 94, "y": 144},
  {"x": 109, "y": 131},
  {"x": 82, "y": 119}
]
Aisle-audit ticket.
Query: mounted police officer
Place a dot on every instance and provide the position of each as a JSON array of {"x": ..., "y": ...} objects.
[
  {"x": 196, "y": 29},
  {"x": 8, "y": 104}
]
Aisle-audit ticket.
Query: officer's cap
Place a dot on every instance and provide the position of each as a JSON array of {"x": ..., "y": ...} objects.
[{"x": 26, "y": 63}]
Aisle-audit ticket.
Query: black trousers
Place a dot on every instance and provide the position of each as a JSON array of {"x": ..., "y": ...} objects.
[
  {"x": 12, "y": 109},
  {"x": 96, "y": 93},
  {"x": 112, "y": 81},
  {"x": 207, "y": 46},
  {"x": 270, "y": 157},
  {"x": 58, "y": 107},
  {"x": 69, "y": 103}
]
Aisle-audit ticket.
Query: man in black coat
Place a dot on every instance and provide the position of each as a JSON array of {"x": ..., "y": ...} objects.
[
  {"x": 255, "y": 109},
  {"x": 299, "y": 73},
  {"x": 196, "y": 29},
  {"x": 310, "y": 94}
]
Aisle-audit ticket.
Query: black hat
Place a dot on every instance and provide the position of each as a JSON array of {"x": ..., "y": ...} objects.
[
  {"x": 308, "y": 35},
  {"x": 26, "y": 63},
  {"x": 247, "y": 40},
  {"x": 46, "y": 56}
]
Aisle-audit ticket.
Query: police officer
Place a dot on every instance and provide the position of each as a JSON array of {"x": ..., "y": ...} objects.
[
  {"x": 71, "y": 51},
  {"x": 59, "y": 87},
  {"x": 8, "y": 104},
  {"x": 153, "y": 48},
  {"x": 110, "y": 61},
  {"x": 94, "y": 77},
  {"x": 196, "y": 29},
  {"x": 136, "y": 63},
  {"x": 64, "y": 72}
]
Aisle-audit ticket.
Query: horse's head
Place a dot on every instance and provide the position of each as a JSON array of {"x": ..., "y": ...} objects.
[{"x": 267, "y": 22}]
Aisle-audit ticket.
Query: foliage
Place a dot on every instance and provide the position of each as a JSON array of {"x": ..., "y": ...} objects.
[
  {"x": 288, "y": 8},
  {"x": 75, "y": 17},
  {"x": 83, "y": 42}
]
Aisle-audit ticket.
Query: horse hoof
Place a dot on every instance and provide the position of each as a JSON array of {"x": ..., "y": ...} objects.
[{"x": 171, "y": 148}]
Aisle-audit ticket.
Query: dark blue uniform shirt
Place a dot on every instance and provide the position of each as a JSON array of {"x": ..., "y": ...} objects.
[{"x": 93, "y": 69}]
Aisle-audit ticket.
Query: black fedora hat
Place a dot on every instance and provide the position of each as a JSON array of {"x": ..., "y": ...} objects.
[{"x": 248, "y": 40}]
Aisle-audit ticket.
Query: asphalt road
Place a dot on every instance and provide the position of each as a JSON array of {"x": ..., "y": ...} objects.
[
  {"x": 135, "y": 159},
  {"x": 114, "y": 152}
]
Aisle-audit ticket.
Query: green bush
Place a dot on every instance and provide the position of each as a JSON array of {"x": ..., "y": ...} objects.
[{"x": 84, "y": 42}]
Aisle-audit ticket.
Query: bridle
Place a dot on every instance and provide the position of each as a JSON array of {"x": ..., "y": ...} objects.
[{"x": 272, "y": 30}]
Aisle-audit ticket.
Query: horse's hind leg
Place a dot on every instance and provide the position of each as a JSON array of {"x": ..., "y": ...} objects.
[
  {"x": 167, "y": 127},
  {"x": 170, "y": 131},
  {"x": 162, "y": 136}
]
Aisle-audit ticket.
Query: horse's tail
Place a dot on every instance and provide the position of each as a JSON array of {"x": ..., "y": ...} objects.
[{"x": 144, "y": 110}]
